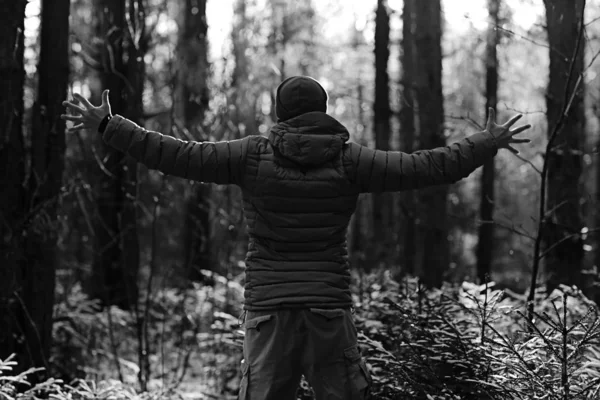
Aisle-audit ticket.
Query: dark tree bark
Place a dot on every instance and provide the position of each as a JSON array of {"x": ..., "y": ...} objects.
[
  {"x": 277, "y": 46},
  {"x": 382, "y": 113},
  {"x": 192, "y": 100},
  {"x": 432, "y": 218},
  {"x": 485, "y": 244},
  {"x": 407, "y": 137},
  {"x": 29, "y": 227},
  {"x": 564, "y": 222},
  {"x": 116, "y": 259},
  {"x": 12, "y": 176},
  {"x": 242, "y": 97},
  {"x": 45, "y": 180},
  {"x": 357, "y": 237}
]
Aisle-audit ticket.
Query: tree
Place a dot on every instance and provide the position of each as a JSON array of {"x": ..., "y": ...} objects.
[
  {"x": 564, "y": 245},
  {"x": 116, "y": 250},
  {"x": 382, "y": 112},
  {"x": 45, "y": 179},
  {"x": 432, "y": 225},
  {"x": 485, "y": 244},
  {"x": 357, "y": 235},
  {"x": 30, "y": 259},
  {"x": 407, "y": 136},
  {"x": 278, "y": 40},
  {"x": 242, "y": 96},
  {"x": 12, "y": 174},
  {"x": 191, "y": 104}
]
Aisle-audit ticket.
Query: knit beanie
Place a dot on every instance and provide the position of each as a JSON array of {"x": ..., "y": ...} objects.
[{"x": 299, "y": 95}]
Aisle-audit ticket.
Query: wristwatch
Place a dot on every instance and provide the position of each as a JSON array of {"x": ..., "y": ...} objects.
[{"x": 104, "y": 123}]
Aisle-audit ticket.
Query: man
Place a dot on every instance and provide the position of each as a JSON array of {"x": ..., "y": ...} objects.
[{"x": 300, "y": 187}]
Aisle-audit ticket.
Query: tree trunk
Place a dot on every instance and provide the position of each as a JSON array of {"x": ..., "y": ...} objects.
[
  {"x": 357, "y": 235},
  {"x": 193, "y": 98},
  {"x": 432, "y": 218},
  {"x": 242, "y": 98},
  {"x": 485, "y": 244},
  {"x": 407, "y": 138},
  {"x": 116, "y": 258},
  {"x": 277, "y": 46},
  {"x": 12, "y": 176},
  {"x": 45, "y": 182},
  {"x": 564, "y": 261},
  {"x": 381, "y": 243}
]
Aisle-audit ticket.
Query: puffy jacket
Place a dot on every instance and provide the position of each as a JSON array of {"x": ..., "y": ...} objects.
[{"x": 300, "y": 186}]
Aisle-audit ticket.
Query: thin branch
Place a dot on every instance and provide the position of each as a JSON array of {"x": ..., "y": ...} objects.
[
  {"x": 564, "y": 239},
  {"x": 467, "y": 119},
  {"x": 527, "y": 39},
  {"x": 508, "y": 227},
  {"x": 530, "y": 163},
  {"x": 523, "y": 112}
]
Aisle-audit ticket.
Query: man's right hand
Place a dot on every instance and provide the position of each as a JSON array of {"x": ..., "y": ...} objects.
[{"x": 503, "y": 134}]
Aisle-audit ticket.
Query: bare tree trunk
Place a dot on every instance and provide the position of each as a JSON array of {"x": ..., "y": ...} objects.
[
  {"x": 432, "y": 218},
  {"x": 357, "y": 235},
  {"x": 277, "y": 45},
  {"x": 193, "y": 99},
  {"x": 564, "y": 222},
  {"x": 407, "y": 138},
  {"x": 485, "y": 244},
  {"x": 242, "y": 98},
  {"x": 381, "y": 201},
  {"x": 116, "y": 258},
  {"x": 45, "y": 182},
  {"x": 12, "y": 176}
]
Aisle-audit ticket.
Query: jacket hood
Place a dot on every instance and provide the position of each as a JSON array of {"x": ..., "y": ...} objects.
[{"x": 310, "y": 139}]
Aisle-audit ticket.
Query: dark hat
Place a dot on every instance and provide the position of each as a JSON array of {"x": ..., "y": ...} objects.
[{"x": 298, "y": 95}]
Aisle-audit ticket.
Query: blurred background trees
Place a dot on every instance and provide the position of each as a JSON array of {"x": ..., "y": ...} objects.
[{"x": 401, "y": 75}]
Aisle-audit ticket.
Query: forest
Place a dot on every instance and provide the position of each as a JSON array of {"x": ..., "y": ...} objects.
[{"x": 118, "y": 281}]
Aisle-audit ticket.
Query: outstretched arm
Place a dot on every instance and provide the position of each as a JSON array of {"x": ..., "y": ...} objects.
[
  {"x": 216, "y": 162},
  {"x": 380, "y": 171}
]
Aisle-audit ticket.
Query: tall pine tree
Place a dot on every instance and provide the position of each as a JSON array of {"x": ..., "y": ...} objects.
[
  {"x": 485, "y": 244},
  {"x": 564, "y": 219},
  {"x": 381, "y": 115},
  {"x": 116, "y": 248},
  {"x": 432, "y": 224},
  {"x": 407, "y": 138},
  {"x": 191, "y": 104}
]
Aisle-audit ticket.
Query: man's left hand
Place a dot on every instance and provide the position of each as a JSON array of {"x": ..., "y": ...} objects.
[{"x": 85, "y": 114}]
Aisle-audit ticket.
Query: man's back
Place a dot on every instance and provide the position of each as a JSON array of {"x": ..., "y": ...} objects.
[{"x": 298, "y": 201}]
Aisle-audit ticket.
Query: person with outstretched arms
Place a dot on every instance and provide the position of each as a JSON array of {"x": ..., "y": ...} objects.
[{"x": 300, "y": 186}]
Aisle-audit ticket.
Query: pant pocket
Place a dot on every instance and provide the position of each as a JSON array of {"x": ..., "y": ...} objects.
[
  {"x": 243, "y": 394},
  {"x": 256, "y": 322},
  {"x": 358, "y": 374},
  {"x": 328, "y": 314}
]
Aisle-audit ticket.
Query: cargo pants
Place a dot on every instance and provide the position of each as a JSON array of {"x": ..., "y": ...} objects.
[{"x": 280, "y": 346}]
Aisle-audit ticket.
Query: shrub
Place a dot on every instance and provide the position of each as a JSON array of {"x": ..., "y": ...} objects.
[{"x": 473, "y": 342}]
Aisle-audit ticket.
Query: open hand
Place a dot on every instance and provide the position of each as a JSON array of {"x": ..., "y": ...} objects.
[
  {"x": 86, "y": 115},
  {"x": 503, "y": 134}
]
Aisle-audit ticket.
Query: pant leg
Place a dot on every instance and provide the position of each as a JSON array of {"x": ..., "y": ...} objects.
[
  {"x": 271, "y": 368},
  {"x": 332, "y": 361}
]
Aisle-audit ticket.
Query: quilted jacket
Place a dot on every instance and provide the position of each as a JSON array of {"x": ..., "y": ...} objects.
[{"x": 300, "y": 186}]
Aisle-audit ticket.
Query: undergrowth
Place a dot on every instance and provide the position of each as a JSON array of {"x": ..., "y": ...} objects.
[{"x": 458, "y": 342}]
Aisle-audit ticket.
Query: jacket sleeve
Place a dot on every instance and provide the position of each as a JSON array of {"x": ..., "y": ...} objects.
[
  {"x": 214, "y": 162},
  {"x": 386, "y": 171}
]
